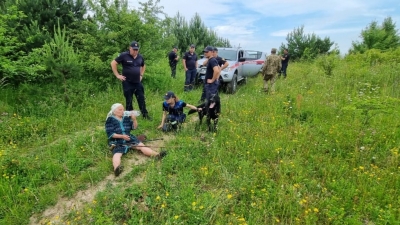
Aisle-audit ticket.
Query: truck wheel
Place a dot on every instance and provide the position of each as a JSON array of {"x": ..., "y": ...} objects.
[{"x": 232, "y": 86}]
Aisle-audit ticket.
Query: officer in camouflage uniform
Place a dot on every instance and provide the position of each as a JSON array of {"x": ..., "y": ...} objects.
[{"x": 272, "y": 66}]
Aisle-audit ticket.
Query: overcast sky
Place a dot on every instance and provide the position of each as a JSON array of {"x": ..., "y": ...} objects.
[{"x": 264, "y": 24}]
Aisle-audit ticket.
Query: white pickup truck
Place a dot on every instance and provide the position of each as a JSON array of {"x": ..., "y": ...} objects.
[{"x": 242, "y": 64}]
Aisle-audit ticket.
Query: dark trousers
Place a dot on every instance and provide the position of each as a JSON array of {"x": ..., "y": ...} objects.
[
  {"x": 136, "y": 89},
  {"x": 189, "y": 81},
  {"x": 283, "y": 70},
  {"x": 173, "y": 69},
  {"x": 211, "y": 89}
]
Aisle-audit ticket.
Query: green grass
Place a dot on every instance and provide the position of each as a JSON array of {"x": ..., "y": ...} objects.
[{"x": 321, "y": 150}]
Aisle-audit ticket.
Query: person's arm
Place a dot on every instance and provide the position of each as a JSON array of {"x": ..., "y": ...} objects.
[
  {"x": 184, "y": 62},
  {"x": 177, "y": 57},
  {"x": 226, "y": 64},
  {"x": 205, "y": 62},
  {"x": 142, "y": 69},
  {"x": 114, "y": 67},
  {"x": 197, "y": 65},
  {"x": 164, "y": 116},
  {"x": 193, "y": 107},
  {"x": 216, "y": 70},
  {"x": 134, "y": 120},
  {"x": 110, "y": 130}
]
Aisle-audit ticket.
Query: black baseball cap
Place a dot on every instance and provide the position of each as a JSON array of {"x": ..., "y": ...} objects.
[
  {"x": 135, "y": 45},
  {"x": 215, "y": 49},
  {"x": 192, "y": 46},
  {"x": 208, "y": 48},
  {"x": 169, "y": 95}
]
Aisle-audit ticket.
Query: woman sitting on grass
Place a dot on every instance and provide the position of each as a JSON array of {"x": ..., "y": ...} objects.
[
  {"x": 173, "y": 112},
  {"x": 118, "y": 128}
]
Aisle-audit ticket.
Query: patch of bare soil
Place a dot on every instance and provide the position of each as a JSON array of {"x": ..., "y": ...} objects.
[{"x": 56, "y": 213}]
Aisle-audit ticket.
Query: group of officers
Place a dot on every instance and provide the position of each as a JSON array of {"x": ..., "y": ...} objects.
[{"x": 134, "y": 67}]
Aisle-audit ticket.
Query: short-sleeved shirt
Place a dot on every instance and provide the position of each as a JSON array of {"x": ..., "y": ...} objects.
[
  {"x": 212, "y": 62},
  {"x": 191, "y": 60},
  {"x": 172, "y": 56},
  {"x": 176, "y": 110},
  {"x": 130, "y": 66},
  {"x": 221, "y": 61},
  {"x": 286, "y": 61}
]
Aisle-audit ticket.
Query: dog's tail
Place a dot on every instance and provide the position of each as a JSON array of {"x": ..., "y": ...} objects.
[{"x": 199, "y": 106}]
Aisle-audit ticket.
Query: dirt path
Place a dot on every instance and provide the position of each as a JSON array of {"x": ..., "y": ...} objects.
[{"x": 55, "y": 214}]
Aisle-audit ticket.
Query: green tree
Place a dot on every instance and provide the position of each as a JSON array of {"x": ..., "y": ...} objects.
[
  {"x": 382, "y": 37},
  {"x": 305, "y": 46},
  {"x": 43, "y": 15},
  {"x": 195, "y": 32}
]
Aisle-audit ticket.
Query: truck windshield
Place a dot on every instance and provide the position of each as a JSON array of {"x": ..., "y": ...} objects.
[{"x": 227, "y": 54}]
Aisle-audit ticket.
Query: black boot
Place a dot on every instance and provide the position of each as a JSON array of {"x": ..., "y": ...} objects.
[{"x": 146, "y": 116}]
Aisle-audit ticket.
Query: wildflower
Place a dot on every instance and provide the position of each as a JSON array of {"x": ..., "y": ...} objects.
[
  {"x": 176, "y": 217},
  {"x": 316, "y": 210},
  {"x": 158, "y": 198},
  {"x": 229, "y": 196},
  {"x": 193, "y": 203},
  {"x": 163, "y": 205}
]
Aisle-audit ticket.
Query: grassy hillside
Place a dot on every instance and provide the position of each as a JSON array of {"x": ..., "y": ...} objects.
[{"x": 324, "y": 149}]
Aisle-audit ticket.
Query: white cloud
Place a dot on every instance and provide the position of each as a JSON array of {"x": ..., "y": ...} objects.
[{"x": 239, "y": 21}]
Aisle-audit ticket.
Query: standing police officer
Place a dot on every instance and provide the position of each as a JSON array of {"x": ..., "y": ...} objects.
[
  {"x": 173, "y": 60},
  {"x": 212, "y": 73},
  {"x": 133, "y": 68},
  {"x": 190, "y": 65},
  {"x": 222, "y": 64},
  {"x": 285, "y": 62}
]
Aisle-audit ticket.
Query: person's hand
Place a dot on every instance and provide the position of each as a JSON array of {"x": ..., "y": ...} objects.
[
  {"x": 126, "y": 137},
  {"x": 186, "y": 69},
  {"x": 209, "y": 81},
  {"x": 121, "y": 77},
  {"x": 199, "y": 109},
  {"x": 159, "y": 127}
]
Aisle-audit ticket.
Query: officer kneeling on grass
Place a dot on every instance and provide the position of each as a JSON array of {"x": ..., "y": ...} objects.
[{"x": 173, "y": 115}]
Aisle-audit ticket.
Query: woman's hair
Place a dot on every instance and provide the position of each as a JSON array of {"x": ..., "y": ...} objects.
[
  {"x": 113, "y": 108},
  {"x": 175, "y": 97}
]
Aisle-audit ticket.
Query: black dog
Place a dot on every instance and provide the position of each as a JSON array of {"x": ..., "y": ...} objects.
[{"x": 211, "y": 110}]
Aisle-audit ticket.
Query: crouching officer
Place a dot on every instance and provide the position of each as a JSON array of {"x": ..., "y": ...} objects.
[{"x": 173, "y": 115}]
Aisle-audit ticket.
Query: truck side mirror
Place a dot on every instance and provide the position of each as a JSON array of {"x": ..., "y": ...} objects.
[{"x": 242, "y": 59}]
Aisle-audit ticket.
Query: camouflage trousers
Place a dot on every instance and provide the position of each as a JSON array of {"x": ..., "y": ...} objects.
[{"x": 269, "y": 81}]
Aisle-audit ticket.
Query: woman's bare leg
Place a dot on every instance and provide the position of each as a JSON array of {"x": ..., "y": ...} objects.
[
  {"x": 146, "y": 150},
  {"x": 116, "y": 160}
]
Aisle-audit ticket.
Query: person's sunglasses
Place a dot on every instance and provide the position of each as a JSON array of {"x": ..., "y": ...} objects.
[{"x": 135, "y": 49}]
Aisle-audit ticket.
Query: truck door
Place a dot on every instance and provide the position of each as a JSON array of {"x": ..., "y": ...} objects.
[
  {"x": 249, "y": 66},
  {"x": 241, "y": 64}
]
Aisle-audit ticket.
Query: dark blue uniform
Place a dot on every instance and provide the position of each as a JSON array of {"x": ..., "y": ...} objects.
[
  {"x": 172, "y": 63},
  {"x": 211, "y": 89},
  {"x": 190, "y": 60},
  {"x": 285, "y": 64},
  {"x": 132, "y": 85},
  {"x": 175, "y": 113},
  {"x": 221, "y": 62}
]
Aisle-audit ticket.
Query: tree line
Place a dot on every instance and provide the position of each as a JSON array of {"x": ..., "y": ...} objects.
[
  {"x": 303, "y": 46},
  {"x": 44, "y": 41},
  {"x": 54, "y": 41}
]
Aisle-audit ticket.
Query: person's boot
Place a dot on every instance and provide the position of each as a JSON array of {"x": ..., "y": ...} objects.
[{"x": 146, "y": 116}]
